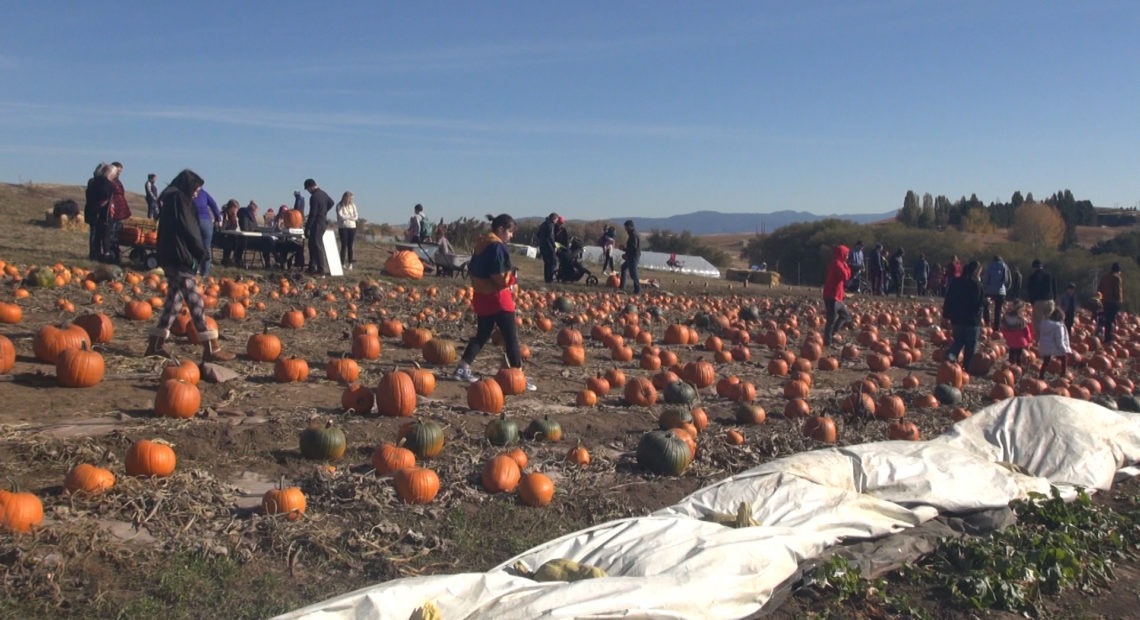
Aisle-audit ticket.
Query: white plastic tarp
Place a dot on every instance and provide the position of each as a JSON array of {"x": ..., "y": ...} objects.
[
  {"x": 672, "y": 564},
  {"x": 686, "y": 264}
]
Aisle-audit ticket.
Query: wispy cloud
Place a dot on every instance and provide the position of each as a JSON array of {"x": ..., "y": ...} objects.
[
  {"x": 496, "y": 56},
  {"x": 62, "y": 114}
]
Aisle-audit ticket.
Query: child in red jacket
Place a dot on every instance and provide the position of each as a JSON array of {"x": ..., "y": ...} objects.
[{"x": 1018, "y": 333}]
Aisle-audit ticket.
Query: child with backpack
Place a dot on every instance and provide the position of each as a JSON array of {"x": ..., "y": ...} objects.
[{"x": 1018, "y": 333}]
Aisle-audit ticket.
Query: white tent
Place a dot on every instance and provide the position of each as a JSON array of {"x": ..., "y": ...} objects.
[
  {"x": 673, "y": 564},
  {"x": 657, "y": 261}
]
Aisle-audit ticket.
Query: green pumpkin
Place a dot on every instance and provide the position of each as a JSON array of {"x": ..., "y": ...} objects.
[
  {"x": 501, "y": 431},
  {"x": 562, "y": 304},
  {"x": 544, "y": 430},
  {"x": 702, "y": 320},
  {"x": 107, "y": 273},
  {"x": 671, "y": 417},
  {"x": 750, "y": 314},
  {"x": 41, "y": 277},
  {"x": 948, "y": 394},
  {"x": 423, "y": 437},
  {"x": 323, "y": 442},
  {"x": 630, "y": 309},
  {"x": 1128, "y": 402},
  {"x": 663, "y": 453},
  {"x": 680, "y": 393}
]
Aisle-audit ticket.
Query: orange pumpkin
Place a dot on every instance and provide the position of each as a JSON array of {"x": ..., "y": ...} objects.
[
  {"x": 404, "y": 264},
  {"x": 536, "y": 490},
  {"x": 150, "y": 458}
]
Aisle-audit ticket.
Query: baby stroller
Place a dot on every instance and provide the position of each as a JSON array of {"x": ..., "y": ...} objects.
[{"x": 570, "y": 267}]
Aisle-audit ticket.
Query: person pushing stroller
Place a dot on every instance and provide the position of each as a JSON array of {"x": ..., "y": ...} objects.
[{"x": 570, "y": 267}]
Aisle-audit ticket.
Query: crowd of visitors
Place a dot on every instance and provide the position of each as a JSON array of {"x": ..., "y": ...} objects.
[{"x": 976, "y": 298}]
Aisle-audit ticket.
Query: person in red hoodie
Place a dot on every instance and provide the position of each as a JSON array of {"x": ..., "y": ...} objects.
[
  {"x": 838, "y": 273},
  {"x": 493, "y": 281}
]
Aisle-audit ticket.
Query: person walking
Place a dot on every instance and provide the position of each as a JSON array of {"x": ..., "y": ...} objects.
[
  {"x": 965, "y": 299},
  {"x": 151, "y": 189},
  {"x": 631, "y": 258},
  {"x": 346, "y": 217},
  {"x": 834, "y": 284},
  {"x": 209, "y": 216},
  {"x": 1040, "y": 290},
  {"x": 180, "y": 251},
  {"x": 996, "y": 283},
  {"x": 1053, "y": 341},
  {"x": 319, "y": 206},
  {"x": 1111, "y": 289},
  {"x": 97, "y": 202},
  {"x": 545, "y": 240},
  {"x": 492, "y": 281},
  {"x": 855, "y": 262},
  {"x": 921, "y": 274}
]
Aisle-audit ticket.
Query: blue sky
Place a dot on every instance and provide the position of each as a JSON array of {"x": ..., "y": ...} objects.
[{"x": 591, "y": 109}]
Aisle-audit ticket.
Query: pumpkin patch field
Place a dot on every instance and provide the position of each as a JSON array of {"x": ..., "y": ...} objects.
[{"x": 340, "y": 453}]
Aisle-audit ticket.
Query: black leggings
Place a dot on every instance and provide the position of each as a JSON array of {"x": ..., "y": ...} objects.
[
  {"x": 507, "y": 327},
  {"x": 347, "y": 237}
]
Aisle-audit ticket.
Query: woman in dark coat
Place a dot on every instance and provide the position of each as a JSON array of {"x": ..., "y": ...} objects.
[
  {"x": 180, "y": 252},
  {"x": 98, "y": 200}
]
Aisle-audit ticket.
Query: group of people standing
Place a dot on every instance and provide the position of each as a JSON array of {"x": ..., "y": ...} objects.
[
  {"x": 106, "y": 207},
  {"x": 553, "y": 239},
  {"x": 975, "y": 298},
  {"x": 885, "y": 270},
  {"x": 968, "y": 308}
]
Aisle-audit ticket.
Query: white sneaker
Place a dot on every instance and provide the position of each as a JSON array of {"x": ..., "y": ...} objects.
[
  {"x": 463, "y": 373},
  {"x": 530, "y": 387}
]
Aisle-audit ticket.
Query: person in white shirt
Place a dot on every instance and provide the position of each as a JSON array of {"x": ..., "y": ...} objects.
[
  {"x": 346, "y": 217},
  {"x": 1053, "y": 341}
]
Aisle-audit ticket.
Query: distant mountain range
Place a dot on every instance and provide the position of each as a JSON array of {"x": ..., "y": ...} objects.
[{"x": 715, "y": 222}]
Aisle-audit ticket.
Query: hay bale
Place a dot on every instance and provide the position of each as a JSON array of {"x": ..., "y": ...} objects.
[
  {"x": 62, "y": 221},
  {"x": 736, "y": 275},
  {"x": 770, "y": 278}
]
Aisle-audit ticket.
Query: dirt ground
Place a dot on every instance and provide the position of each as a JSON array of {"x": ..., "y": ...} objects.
[{"x": 139, "y": 549}]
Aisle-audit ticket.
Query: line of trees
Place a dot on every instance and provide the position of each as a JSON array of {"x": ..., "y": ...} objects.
[{"x": 972, "y": 215}]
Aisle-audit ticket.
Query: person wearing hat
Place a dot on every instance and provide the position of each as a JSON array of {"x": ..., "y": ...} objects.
[
  {"x": 545, "y": 240},
  {"x": 181, "y": 250},
  {"x": 1041, "y": 291},
  {"x": 561, "y": 234},
  {"x": 1111, "y": 289}
]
